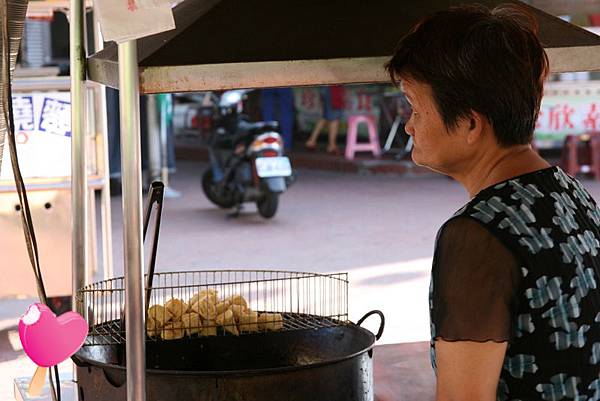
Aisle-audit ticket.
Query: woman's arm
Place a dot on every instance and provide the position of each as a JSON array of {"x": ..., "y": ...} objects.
[{"x": 468, "y": 370}]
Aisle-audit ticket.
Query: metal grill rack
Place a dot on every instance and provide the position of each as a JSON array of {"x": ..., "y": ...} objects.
[{"x": 278, "y": 300}]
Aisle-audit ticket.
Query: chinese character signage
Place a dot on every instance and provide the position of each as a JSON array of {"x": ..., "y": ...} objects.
[
  {"x": 573, "y": 111},
  {"x": 43, "y": 135},
  {"x": 23, "y": 113},
  {"x": 55, "y": 117}
]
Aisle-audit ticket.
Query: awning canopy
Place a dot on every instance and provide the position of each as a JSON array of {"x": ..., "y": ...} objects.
[{"x": 223, "y": 44}]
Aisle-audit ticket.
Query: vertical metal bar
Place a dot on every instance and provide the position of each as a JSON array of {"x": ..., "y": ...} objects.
[
  {"x": 132, "y": 220},
  {"x": 153, "y": 137},
  {"x": 163, "y": 144},
  {"x": 79, "y": 199},
  {"x": 92, "y": 252},
  {"x": 102, "y": 155}
]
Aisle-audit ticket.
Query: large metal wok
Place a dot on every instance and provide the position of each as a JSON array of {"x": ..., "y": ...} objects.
[{"x": 329, "y": 363}]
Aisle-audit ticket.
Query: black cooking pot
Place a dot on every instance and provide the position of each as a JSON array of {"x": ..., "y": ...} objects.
[{"x": 328, "y": 364}]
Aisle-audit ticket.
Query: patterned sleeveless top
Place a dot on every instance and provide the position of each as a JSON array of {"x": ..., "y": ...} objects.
[{"x": 520, "y": 263}]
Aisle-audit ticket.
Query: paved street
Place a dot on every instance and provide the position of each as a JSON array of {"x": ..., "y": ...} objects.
[{"x": 378, "y": 228}]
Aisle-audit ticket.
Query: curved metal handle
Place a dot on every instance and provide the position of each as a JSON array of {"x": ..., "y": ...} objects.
[
  {"x": 79, "y": 362},
  {"x": 381, "y": 325},
  {"x": 116, "y": 378}
]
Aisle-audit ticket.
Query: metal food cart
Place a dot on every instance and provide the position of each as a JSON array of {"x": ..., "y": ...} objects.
[
  {"x": 246, "y": 44},
  {"x": 42, "y": 108}
]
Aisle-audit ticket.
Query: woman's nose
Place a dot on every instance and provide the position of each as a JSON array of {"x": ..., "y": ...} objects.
[{"x": 409, "y": 128}]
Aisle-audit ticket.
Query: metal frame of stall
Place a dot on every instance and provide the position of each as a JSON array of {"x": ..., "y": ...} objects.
[
  {"x": 33, "y": 80},
  {"x": 201, "y": 77},
  {"x": 95, "y": 137}
]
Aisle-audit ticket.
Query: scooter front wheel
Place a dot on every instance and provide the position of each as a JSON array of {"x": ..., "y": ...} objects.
[
  {"x": 267, "y": 206},
  {"x": 224, "y": 201}
]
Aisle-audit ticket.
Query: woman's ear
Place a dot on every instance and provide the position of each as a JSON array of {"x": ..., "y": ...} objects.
[{"x": 474, "y": 125}]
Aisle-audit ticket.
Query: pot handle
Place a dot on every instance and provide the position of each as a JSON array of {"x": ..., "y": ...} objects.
[
  {"x": 381, "y": 325},
  {"x": 115, "y": 377},
  {"x": 79, "y": 362}
]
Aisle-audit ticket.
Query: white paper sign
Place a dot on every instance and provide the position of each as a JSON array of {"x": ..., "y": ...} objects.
[
  {"x": 43, "y": 135},
  {"x": 123, "y": 20}
]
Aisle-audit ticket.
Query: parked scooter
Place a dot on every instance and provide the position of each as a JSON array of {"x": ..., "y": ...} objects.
[{"x": 247, "y": 162}]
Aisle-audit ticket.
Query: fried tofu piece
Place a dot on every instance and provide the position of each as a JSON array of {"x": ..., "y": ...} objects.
[
  {"x": 152, "y": 327},
  {"x": 227, "y": 321},
  {"x": 237, "y": 310},
  {"x": 160, "y": 314},
  {"x": 248, "y": 321},
  {"x": 209, "y": 328},
  {"x": 237, "y": 300},
  {"x": 222, "y": 307},
  {"x": 224, "y": 317},
  {"x": 191, "y": 322},
  {"x": 205, "y": 308},
  {"x": 177, "y": 307},
  {"x": 270, "y": 321},
  {"x": 211, "y": 294},
  {"x": 173, "y": 331}
]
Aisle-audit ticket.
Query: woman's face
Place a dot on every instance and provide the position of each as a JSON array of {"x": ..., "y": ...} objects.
[{"x": 434, "y": 146}]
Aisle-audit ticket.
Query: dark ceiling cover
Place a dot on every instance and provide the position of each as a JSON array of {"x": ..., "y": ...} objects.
[
  {"x": 274, "y": 30},
  {"x": 217, "y": 32}
]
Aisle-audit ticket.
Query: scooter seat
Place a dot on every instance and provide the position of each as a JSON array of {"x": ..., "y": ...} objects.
[{"x": 262, "y": 126}]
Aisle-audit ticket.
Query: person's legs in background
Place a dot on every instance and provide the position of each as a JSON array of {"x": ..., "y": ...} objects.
[
  {"x": 284, "y": 99},
  {"x": 286, "y": 115},
  {"x": 311, "y": 143},
  {"x": 334, "y": 126},
  {"x": 333, "y": 116},
  {"x": 267, "y": 104}
]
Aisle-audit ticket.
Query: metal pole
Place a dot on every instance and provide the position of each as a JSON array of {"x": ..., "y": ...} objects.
[
  {"x": 163, "y": 143},
  {"x": 169, "y": 192},
  {"x": 131, "y": 171},
  {"x": 79, "y": 199},
  {"x": 104, "y": 167},
  {"x": 90, "y": 275},
  {"x": 153, "y": 137}
]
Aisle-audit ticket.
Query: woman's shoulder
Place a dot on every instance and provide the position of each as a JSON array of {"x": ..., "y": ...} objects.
[{"x": 529, "y": 194}]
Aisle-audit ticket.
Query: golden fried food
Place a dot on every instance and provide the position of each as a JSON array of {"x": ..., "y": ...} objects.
[
  {"x": 177, "y": 307},
  {"x": 160, "y": 314},
  {"x": 152, "y": 327},
  {"x": 173, "y": 331},
  {"x": 191, "y": 322},
  {"x": 222, "y": 307},
  {"x": 205, "y": 308},
  {"x": 248, "y": 321},
  {"x": 212, "y": 295},
  {"x": 227, "y": 321},
  {"x": 237, "y": 300},
  {"x": 237, "y": 311},
  {"x": 270, "y": 321},
  {"x": 224, "y": 317},
  {"x": 209, "y": 328}
]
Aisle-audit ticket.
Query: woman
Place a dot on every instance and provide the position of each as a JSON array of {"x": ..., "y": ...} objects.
[{"x": 514, "y": 297}]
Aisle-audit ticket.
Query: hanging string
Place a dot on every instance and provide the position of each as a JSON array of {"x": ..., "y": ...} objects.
[{"x": 25, "y": 212}]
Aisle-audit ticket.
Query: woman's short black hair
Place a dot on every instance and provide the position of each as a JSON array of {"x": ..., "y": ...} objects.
[{"x": 477, "y": 59}]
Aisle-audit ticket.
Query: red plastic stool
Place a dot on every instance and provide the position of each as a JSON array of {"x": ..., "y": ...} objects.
[
  {"x": 352, "y": 145},
  {"x": 575, "y": 162}
]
